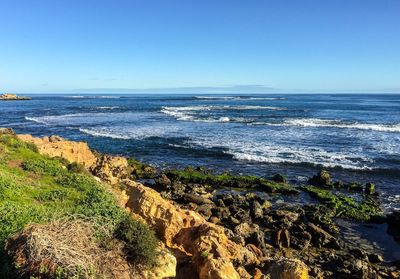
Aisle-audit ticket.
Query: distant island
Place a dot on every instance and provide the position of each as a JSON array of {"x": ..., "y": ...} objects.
[{"x": 13, "y": 97}]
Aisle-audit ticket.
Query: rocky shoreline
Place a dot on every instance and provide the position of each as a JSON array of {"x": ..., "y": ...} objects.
[
  {"x": 221, "y": 225},
  {"x": 13, "y": 97}
]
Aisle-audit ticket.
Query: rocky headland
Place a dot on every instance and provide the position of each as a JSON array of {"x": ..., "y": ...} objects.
[
  {"x": 13, "y": 97},
  {"x": 220, "y": 225}
]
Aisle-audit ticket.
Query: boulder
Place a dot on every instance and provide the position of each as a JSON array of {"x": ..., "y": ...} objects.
[
  {"x": 285, "y": 268},
  {"x": 197, "y": 199},
  {"x": 323, "y": 178},
  {"x": 72, "y": 151},
  {"x": 321, "y": 238},
  {"x": 110, "y": 168},
  {"x": 163, "y": 182},
  {"x": 279, "y": 178}
]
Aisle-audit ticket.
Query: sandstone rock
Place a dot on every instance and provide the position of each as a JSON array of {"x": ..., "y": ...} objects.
[
  {"x": 288, "y": 269},
  {"x": 259, "y": 275},
  {"x": 110, "y": 168},
  {"x": 211, "y": 250},
  {"x": 78, "y": 152},
  {"x": 12, "y": 97},
  {"x": 6, "y": 131},
  {"x": 165, "y": 268},
  {"x": 243, "y": 273}
]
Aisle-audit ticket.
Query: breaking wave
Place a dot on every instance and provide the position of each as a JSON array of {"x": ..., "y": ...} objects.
[{"x": 316, "y": 122}]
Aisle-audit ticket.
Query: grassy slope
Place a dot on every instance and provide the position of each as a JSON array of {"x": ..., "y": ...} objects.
[{"x": 36, "y": 188}]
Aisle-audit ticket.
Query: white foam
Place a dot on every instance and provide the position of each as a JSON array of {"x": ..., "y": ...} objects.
[
  {"x": 236, "y": 98},
  {"x": 92, "y": 97},
  {"x": 315, "y": 122},
  {"x": 188, "y": 113},
  {"x": 102, "y": 133},
  {"x": 256, "y": 147},
  {"x": 35, "y": 119},
  {"x": 129, "y": 132},
  {"x": 107, "y": 108}
]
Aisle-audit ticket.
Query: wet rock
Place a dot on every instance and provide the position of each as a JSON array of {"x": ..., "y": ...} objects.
[
  {"x": 358, "y": 253},
  {"x": 197, "y": 199},
  {"x": 375, "y": 258},
  {"x": 256, "y": 210},
  {"x": 323, "y": 178},
  {"x": 205, "y": 210},
  {"x": 321, "y": 238},
  {"x": 286, "y": 217},
  {"x": 279, "y": 178},
  {"x": 394, "y": 225},
  {"x": 163, "y": 182},
  {"x": 300, "y": 239},
  {"x": 288, "y": 269},
  {"x": 281, "y": 238},
  {"x": 221, "y": 212}
]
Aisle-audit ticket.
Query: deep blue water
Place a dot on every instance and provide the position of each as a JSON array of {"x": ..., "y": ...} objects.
[{"x": 356, "y": 136}]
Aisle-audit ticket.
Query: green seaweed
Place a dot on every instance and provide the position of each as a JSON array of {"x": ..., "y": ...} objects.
[
  {"x": 227, "y": 180},
  {"x": 364, "y": 210}
]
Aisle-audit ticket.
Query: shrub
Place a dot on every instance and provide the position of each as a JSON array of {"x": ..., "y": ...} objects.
[
  {"x": 43, "y": 166},
  {"x": 140, "y": 241},
  {"x": 77, "y": 168}
]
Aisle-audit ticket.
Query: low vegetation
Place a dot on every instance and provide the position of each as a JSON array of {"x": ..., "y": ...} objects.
[{"x": 36, "y": 189}]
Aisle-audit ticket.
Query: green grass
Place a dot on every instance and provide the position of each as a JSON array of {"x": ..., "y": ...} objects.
[
  {"x": 36, "y": 188},
  {"x": 227, "y": 180}
]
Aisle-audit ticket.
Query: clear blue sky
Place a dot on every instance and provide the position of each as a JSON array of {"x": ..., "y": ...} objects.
[{"x": 249, "y": 45}]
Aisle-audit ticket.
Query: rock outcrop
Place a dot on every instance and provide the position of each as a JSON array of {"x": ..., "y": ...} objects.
[
  {"x": 110, "y": 169},
  {"x": 12, "y": 97},
  {"x": 7, "y": 131},
  {"x": 56, "y": 146},
  {"x": 186, "y": 231}
]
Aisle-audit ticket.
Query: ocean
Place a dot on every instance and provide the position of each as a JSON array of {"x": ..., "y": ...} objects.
[{"x": 354, "y": 136}]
